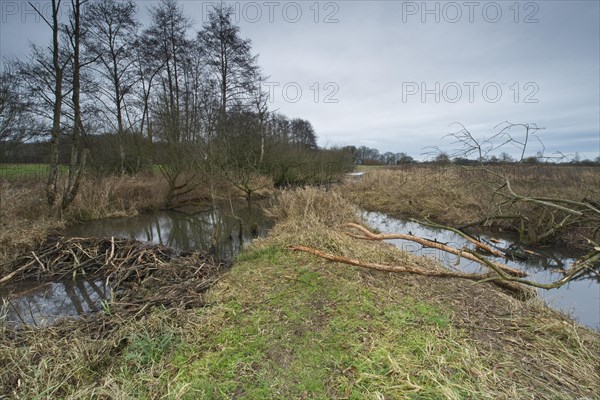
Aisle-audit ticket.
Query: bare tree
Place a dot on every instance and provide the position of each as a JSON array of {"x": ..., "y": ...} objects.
[
  {"x": 229, "y": 58},
  {"x": 537, "y": 218},
  {"x": 506, "y": 138},
  {"x": 176, "y": 97},
  {"x": 78, "y": 155},
  {"x": 111, "y": 32},
  {"x": 17, "y": 123},
  {"x": 261, "y": 108},
  {"x": 303, "y": 133},
  {"x": 166, "y": 38},
  {"x": 469, "y": 144},
  {"x": 57, "y": 73}
]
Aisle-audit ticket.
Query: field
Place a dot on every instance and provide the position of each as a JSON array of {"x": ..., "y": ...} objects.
[
  {"x": 282, "y": 324},
  {"x": 14, "y": 172}
]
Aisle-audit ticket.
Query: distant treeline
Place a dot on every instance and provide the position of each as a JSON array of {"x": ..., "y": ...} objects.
[{"x": 371, "y": 156}]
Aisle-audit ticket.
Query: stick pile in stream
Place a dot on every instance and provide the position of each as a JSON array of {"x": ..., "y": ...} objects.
[{"x": 140, "y": 275}]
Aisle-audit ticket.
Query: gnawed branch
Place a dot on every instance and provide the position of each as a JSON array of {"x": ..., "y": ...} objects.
[
  {"x": 489, "y": 277},
  {"x": 587, "y": 263},
  {"x": 576, "y": 269},
  {"x": 368, "y": 235},
  {"x": 477, "y": 243}
]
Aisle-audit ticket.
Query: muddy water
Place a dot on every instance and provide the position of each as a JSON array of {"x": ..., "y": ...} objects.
[
  {"x": 222, "y": 231},
  {"x": 579, "y": 298}
]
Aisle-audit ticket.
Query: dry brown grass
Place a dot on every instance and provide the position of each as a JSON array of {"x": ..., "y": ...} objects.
[
  {"x": 316, "y": 218},
  {"x": 69, "y": 361},
  {"x": 417, "y": 192},
  {"x": 457, "y": 195},
  {"x": 115, "y": 196},
  {"x": 26, "y": 221},
  {"x": 24, "y": 218}
]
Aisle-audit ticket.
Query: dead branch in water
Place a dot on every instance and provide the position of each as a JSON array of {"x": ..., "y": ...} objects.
[
  {"x": 584, "y": 264},
  {"x": 368, "y": 235},
  {"x": 500, "y": 275},
  {"x": 471, "y": 239}
]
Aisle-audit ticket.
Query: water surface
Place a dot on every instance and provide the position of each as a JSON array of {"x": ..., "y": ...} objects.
[
  {"x": 579, "y": 298},
  {"x": 41, "y": 305},
  {"x": 221, "y": 231}
]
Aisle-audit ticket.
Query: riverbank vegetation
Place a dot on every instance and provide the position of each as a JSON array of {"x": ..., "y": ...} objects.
[
  {"x": 287, "y": 324},
  {"x": 462, "y": 196}
]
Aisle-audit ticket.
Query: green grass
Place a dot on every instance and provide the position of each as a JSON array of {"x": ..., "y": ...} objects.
[
  {"x": 13, "y": 172},
  {"x": 288, "y": 330}
]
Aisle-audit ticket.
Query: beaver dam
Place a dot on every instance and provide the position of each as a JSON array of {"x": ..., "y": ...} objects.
[
  {"x": 76, "y": 276},
  {"x": 70, "y": 276}
]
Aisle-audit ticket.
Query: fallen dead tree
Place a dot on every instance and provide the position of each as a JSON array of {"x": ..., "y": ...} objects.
[
  {"x": 587, "y": 263},
  {"x": 516, "y": 290}
]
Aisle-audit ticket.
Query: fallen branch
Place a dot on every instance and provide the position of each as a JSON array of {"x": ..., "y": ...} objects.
[
  {"x": 569, "y": 275},
  {"x": 368, "y": 235},
  {"x": 477, "y": 243},
  {"x": 479, "y": 278}
]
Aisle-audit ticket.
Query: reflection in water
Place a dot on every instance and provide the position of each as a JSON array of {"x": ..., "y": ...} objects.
[
  {"x": 579, "y": 298},
  {"x": 219, "y": 232},
  {"x": 30, "y": 303}
]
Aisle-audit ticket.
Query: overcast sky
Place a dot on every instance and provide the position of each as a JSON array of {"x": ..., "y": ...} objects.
[{"x": 395, "y": 74}]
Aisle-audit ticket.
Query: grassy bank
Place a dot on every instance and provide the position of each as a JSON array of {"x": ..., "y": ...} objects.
[
  {"x": 456, "y": 195},
  {"x": 288, "y": 325}
]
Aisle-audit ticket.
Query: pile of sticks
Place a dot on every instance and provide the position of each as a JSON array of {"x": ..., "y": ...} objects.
[{"x": 139, "y": 274}]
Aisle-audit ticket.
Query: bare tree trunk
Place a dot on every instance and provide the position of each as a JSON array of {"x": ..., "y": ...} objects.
[
  {"x": 51, "y": 185},
  {"x": 119, "y": 106},
  {"x": 77, "y": 158}
]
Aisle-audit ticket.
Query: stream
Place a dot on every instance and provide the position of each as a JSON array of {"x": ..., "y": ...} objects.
[
  {"x": 232, "y": 225},
  {"x": 222, "y": 231},
  {"x": 579, "y": 298}
]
